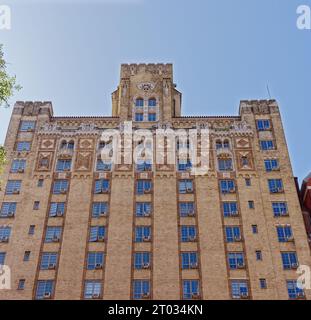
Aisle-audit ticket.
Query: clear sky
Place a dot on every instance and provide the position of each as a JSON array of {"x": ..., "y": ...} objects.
[{"x": 69, "y": 52}]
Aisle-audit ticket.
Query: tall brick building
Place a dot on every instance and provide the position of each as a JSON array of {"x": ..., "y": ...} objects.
[
  {"x": 305, "y": 196},
  {"x": 75, "y": 227}
]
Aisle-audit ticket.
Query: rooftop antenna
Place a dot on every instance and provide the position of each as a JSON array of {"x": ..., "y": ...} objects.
[{"x": 268, "y": 89}]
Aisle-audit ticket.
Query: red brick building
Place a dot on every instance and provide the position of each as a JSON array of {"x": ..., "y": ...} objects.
[{"x": 306, "y": 203}]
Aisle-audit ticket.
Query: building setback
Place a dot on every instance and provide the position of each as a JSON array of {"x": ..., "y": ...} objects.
[{"x": 73, "y": 227}]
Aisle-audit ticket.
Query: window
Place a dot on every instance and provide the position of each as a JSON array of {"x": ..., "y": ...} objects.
[
  {"x": 184, "y": 165},
  {"x": 40, "y": 183},
  {"x": 143, "y": 186},
  {"x": 139, "y": 102},
  {"x": 183, "y": 144},
  {"x": 244, "y": 161},
  {"x": 53, "y": 234},
  {"x": 144, "y": 166},
  {"x": 289, "y": 260},
  {"x": 258, "y": 255},
  {"x": 218, "y": 144},
  {"x": 152, "y": 102},
  {"x": 254, "y": 229},
  {"x": 23, "y": 146},
  {"x": 226, "y": 144},
  {"x": 99, "y": 209},
  {"x": 97, "y": 233},
  {"x": 103, "y": 165},
  {"x": 92, "y": 289},
  {"x": 27, "y": 126},
  {"x": 142, "y": 234},
  {"x": 263, "y": 283},
  {"x": 63, "y": 165},
  {"x": 152, "y": 117},
  {"x": 48, "y": 260},
  {"x": 143, "y": 209},
  {"x": 57, "y": 209},
  {"x": 236, "y": 260},
  {"x": 67, "y": 145},
  {"x": 271, "y": 165},
  {"x": 26, "y": 255},
  {"x": 18, "y": 166},
  {"x": 293, "y": 291},
  {"x": 284, "y": 233},
  {"x": 263, "y": 125},
  {"x": 141, "y": 260},
  {"x": 44, "y": 289},
  {"x": 5, "y": 233},
  {"x": 189, "y": 260},
  {"x": 185, "y": 186},
  {"x": 60, "y": 187},
  {"x": 13, "y": 187},
  {"x": 101, "y": 186},
  {"x": 230, "y": 209},
  {"x": 102, "y": 145},
  {"x": 225, "y": 165},
  {"x": 191, "y": 289},
  {"x": 21, "y": 284},
  {"x": 139, "y": 117},
  {"x": 279, "y": 209},
  {"x": 239, "y": 289},
  {"x": 188, "y": 233},
  {"x": 95, "y": 260},
  {"x": 227, "y": 186},
  {"x": 267, "y": 145},
  {"x": 44, "y": 163},
  {"x": 275, "y": 185},
  {"x": 8, "y": 209},
  {"x": 251, "y": 204},
  {"x": 36, "y": 205},
  {"x": 186, "y": 209},
  {"x": 2, "y": 258},
  {"x": 141, "y": 289},
  {"x": 233, "y": 234},
  {"x": 248, "y": 182},
  {"x": 31, "y": 230}
]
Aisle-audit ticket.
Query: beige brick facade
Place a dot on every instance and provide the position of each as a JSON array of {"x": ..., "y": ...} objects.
[{"x": 163, "y": 276}]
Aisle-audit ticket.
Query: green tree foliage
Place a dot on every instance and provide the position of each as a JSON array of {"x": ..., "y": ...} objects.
[{"x": 8, "y": 85}]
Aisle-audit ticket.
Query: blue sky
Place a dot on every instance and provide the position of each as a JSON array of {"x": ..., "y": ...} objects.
[{"x": 69, "y": 52}]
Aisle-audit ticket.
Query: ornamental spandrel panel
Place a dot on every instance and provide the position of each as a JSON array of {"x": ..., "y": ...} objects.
[
  {"x": 44, "y": 161},
  {"x": 47, "y": 144},
  {"x": 266, "y": 135},
  {"x": 84, "y": 161},
  {"x": 86, "y": 144},
  {"x": 245, "y": 160},
  {"x": 242, "y": 143}
]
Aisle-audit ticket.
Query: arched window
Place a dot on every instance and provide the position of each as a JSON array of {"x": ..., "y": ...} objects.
[
  {"x": 226, "y": 144},
  {"x": 218, "y": 144},
  {"x": 139, "y": 102},
  {"x": 71, "y": 145},
  {"x": 67, "y": 145},
  {"x": 152, "y": 102},
  {"x": 63, "y": 145}
]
